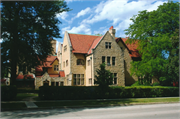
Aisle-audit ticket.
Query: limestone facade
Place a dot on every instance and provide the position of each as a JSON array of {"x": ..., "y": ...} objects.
[{"x": 84, "y": 54}]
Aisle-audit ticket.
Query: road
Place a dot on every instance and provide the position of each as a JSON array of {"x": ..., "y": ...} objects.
[{"x": 155, "y": 111}]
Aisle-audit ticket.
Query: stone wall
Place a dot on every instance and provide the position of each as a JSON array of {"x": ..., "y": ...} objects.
[
  {"x": 78, "y": 69},
  {"x": 129, "y": 80},
  {"x": 116, "y": 52},
  {"x": 39, "y": 81}
]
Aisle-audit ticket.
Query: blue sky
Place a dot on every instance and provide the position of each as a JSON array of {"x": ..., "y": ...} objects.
[{"x": 97, "y": 16}]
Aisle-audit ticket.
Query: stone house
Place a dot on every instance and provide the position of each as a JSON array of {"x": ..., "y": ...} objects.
[
  {"x": 81, "y": 55},
  {"x": 49, "y": 73}
]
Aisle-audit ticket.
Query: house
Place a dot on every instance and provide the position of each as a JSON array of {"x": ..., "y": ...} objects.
[
  {"x": 81, "y": 55},
  {"x": 49, "y": 73}
]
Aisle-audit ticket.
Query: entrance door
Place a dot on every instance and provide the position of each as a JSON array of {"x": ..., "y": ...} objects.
[{"x": 62, "y": 84}]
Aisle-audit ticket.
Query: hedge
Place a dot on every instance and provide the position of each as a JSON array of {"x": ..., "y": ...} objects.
[
  {"x": 94, "y": 92},
  {"x": 8, "y": 93}
]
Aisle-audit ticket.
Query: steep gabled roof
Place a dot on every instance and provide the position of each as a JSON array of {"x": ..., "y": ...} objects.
[
  {"x": 81, "y": 43},
  {"x": 131, "y": 47},
  {"x": 94, "y": 44},
  {"x": 48, "y": 63}
]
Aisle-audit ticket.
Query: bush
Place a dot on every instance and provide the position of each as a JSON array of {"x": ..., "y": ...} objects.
[
  {"x": 156, "y": 84},
  {"x": 8, "y": 93},
  {"x": 94, "y": 92}
]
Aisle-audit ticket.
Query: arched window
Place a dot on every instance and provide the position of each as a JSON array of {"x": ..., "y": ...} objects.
[{"x": 80, "y": 62}]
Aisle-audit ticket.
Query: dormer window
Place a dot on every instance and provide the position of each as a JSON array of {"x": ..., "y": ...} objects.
[
  {"x": 80, "y": 62},
  {"x": 108, "y": 45},
  {"x": 56, "y": 68}
]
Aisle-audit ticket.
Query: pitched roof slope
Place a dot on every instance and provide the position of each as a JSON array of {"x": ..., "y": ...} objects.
[
  {"x": 131, "y": 47},
  {"x": 48, "y": 63},
  {"x": 96, "y": 41},
  {"x": 81, "y": 43}
]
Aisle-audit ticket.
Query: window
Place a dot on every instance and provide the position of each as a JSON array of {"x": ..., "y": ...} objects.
[
  {"x": 115, "y": 78},
  {"x": 66, "y": 62},
  {"x": 57, "y": 83},
  {"x": 80, "y": 62},
  {"x": 108, "y": 61},
  {"x": 56, "y": 68},
  {"x": 113, "y": 61},
  {"x": 103, "y": 59},
  {"x": 52, "y": 83},
  {"x": 78, "y": 79},
  {"x": 89, "y": 62},
  {"x": 65, "y": 48},
  {"x": 90, "y": 81},
  {"x": 108, "y": 45}
]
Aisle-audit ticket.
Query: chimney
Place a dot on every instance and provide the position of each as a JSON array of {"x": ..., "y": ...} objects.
[
  {"x": 53, "y": 42},
  {"x": 112, "y": 31}
]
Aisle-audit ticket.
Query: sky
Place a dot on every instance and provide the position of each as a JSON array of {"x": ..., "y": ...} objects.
[{"x": 97, "y": 16}]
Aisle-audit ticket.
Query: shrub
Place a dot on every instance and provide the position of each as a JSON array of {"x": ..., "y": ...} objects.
[
  {"x": 156, "y": 84},
  {"x": 95, "y": 92},
  {"x": 8, "y": 93}
]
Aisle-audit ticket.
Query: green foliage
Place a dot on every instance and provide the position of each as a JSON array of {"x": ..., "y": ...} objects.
[
  {"x": 156, "y": 84},
  {"x": 113, "y": 92},
  {"x": 27, "y": 29},
  {"x": 155, "y": 32},
  {"x": 8, "y": 93},
  {"x": 104, "y": 77}
]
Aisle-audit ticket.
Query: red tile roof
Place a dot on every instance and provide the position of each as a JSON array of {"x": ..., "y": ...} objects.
[
  {"x": 25, "y": 76},
  {"x": 48, "y": 63},
  {"x": 81, "y": 43},
  {"x": 96, "y": 41},
  {"x": 85, "y": 43},
  {"x": 131, "y": 47}
]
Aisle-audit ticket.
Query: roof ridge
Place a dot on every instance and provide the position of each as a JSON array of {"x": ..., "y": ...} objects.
[{"x": 84, "y": 34}]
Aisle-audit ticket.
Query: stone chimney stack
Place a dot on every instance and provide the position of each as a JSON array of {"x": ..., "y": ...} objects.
[
  {"x": 54, "y": 46},
  {"x": 112, "y": 31}
]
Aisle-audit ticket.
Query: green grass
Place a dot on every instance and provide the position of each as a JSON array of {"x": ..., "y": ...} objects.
[
  {"x": 13, "y": 105},
  {"x": 127, "y": 87},
  {"x": 105, "y": 102},
  {"x": 21, "y": 96}
]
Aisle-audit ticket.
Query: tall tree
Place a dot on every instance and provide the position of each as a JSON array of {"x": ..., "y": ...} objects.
[
  {"x": 104, "y": 77},
  {"x": 153, "y": 31},
  {"x": 27, "y": 29}
]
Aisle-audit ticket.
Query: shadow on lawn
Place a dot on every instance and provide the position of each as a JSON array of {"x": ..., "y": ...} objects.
[{"x": 42, "y": 113}]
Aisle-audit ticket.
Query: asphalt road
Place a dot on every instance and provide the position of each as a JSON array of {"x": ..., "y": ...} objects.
[{"x": 155, "y": 111}]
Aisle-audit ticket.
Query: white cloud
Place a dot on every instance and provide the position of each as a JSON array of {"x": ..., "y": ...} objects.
[
  {"x": 65, "y": 29},
  {"x": 62, "y": 15},
  {"x": 118, "y": 13},
  {"x": 83, "y": 12},
  {"x": 57, "y": 46},
  {"x": 80, "y": 29}
]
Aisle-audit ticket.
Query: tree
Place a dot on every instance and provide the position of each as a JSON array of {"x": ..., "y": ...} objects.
[
  {"x": 104, "y": 77},
  {"x": 153, "y": 30},
  {"x": 27, "y": 29}
]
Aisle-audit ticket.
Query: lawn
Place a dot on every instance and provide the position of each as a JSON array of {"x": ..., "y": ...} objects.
[
  {"x": 19, "y": 105},
  {"x": 106, "y": 102},
  {"x": 21, "y": 96}
]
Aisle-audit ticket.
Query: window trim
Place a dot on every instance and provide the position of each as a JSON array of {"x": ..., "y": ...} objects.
[
  {"x": 77, "y": 77},
  {"x": 56, "y": 68}
]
